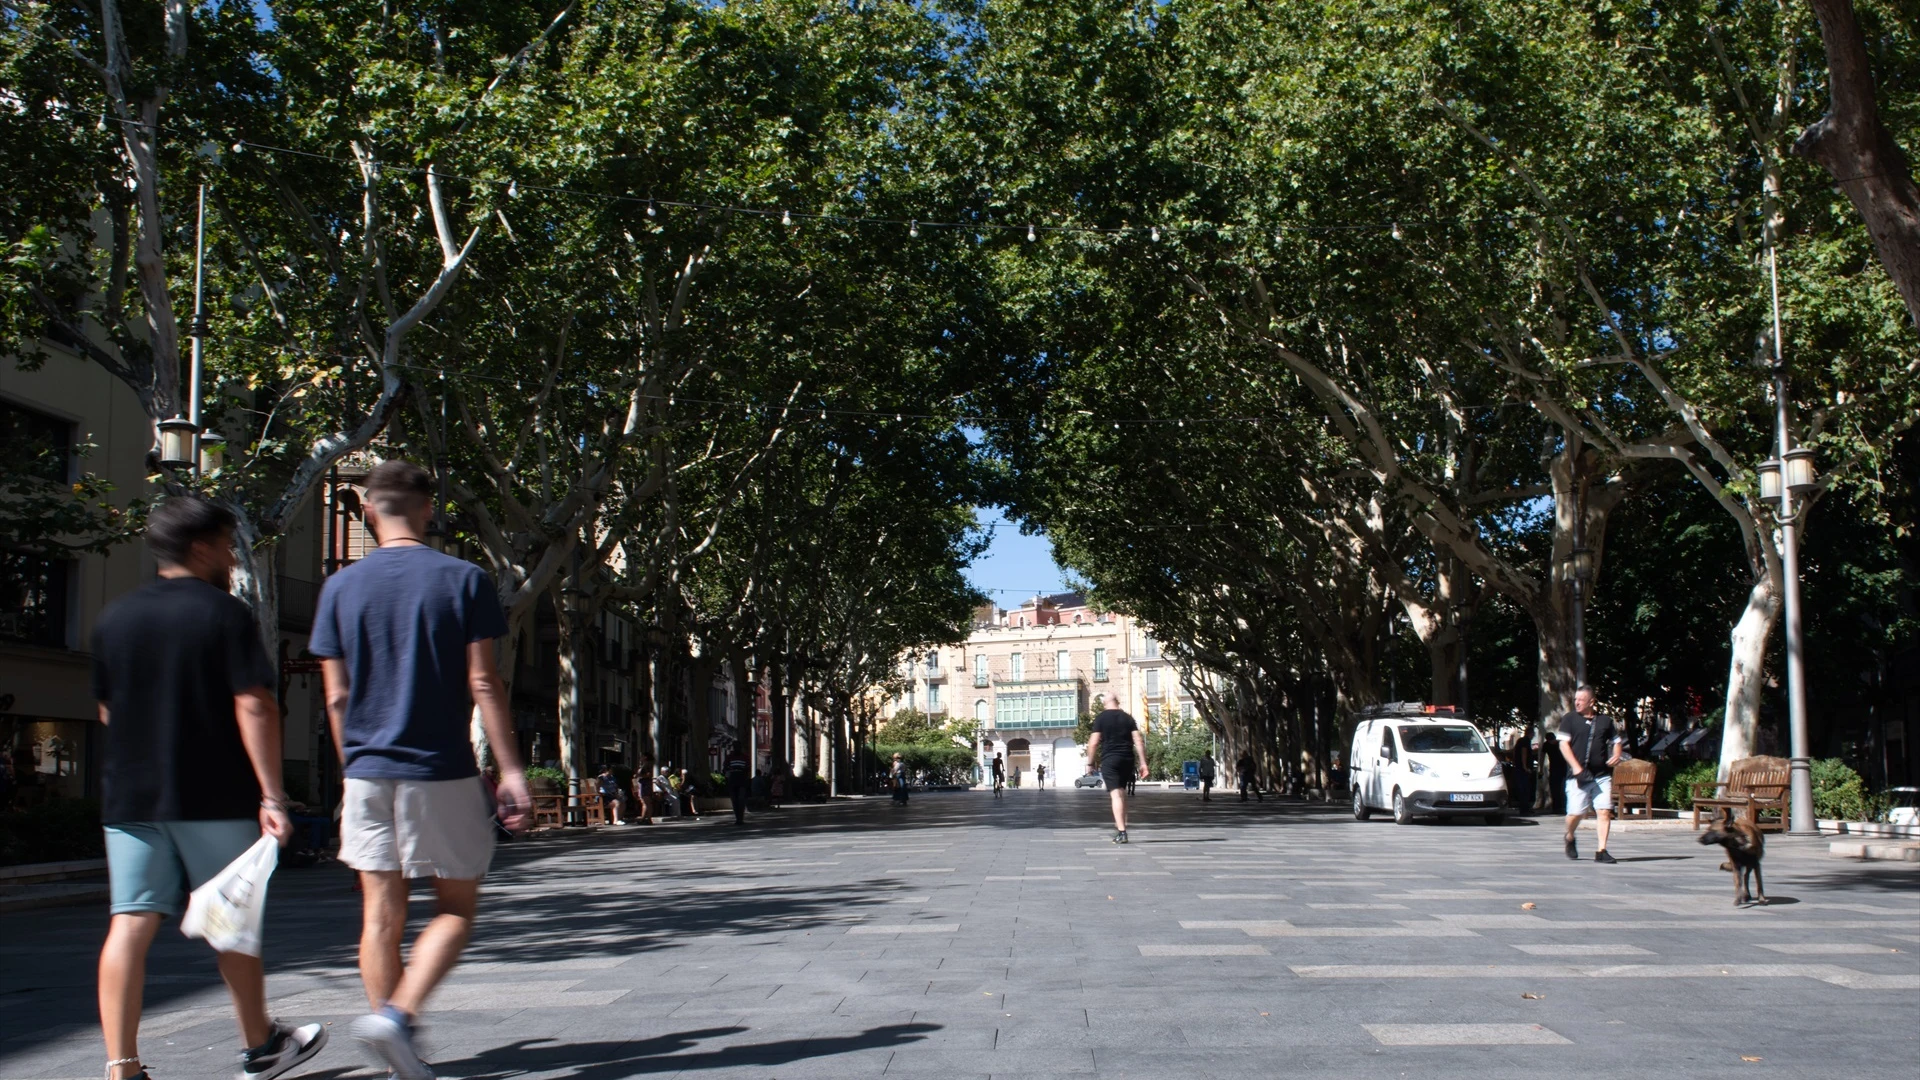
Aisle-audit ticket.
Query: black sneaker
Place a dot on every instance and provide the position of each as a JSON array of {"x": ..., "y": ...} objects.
[
  {"x": 1119, "y": 837},
  {"x": 1573, "y": 850},
  {"x": 1601, "y": 856},
  {"x": 286, "y": 1049},
  {"x": 1123, "y": 836}
]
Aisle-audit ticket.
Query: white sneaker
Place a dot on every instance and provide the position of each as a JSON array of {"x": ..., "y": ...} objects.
[
  {"x": 389, "y": 1043},
  {"x": 286, "y": 1049}
]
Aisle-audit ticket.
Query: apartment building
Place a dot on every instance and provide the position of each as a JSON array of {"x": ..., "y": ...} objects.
[{"x": 1027, "y": 674}]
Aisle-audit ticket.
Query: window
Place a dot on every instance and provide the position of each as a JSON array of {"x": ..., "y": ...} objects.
[
  {"x": 1153, "y": 682},
  {"x": 1054, "y": 708},
  {"x": 980, "y": 712},
  {"x": 1441, "y": 739},
  {"x": 1063, "y": 664},
  {"x": 1100, "y": 665},
  {"x": 1017, "y": 667},
  {"x": 979, "y": 669},
  {"x": 933, "y": 698},
  {"x": 39, "y": 445},
  {"x": 933, "y": 661},
  {"x": 1152, "y": 649},
  {"x": 1186, "y": 710},
  {"x": 33, "y": 599}
]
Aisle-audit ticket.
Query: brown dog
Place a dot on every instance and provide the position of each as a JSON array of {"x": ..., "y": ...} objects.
[{"x": 1744, "y": 844}]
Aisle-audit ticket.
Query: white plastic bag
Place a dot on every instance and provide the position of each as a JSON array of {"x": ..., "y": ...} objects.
[{"x": 230, "y": 910}]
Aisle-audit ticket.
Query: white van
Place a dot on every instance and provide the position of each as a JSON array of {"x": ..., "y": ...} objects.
[{"x": 1418, "y": 762}]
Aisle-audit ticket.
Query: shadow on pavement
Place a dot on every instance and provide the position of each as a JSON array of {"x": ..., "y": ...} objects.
[{"x": 615, "y": 1060}]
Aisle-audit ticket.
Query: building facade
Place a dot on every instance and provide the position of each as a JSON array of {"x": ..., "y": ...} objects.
[{"x": 1026, "y": 675}]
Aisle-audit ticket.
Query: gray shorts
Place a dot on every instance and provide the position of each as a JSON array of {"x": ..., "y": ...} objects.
[
  {"x": 1595, "y": 794},
  {"x": 422, "y": 828}
]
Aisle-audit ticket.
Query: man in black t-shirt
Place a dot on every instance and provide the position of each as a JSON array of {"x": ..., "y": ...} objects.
[
  {"x": 999, "y": 775},
  {"x": 736, "y": 774},
  {"x": 1591, "y": 745},
  {"x": 190, "y": 774},
  {"x": 1121, "y": 753}
]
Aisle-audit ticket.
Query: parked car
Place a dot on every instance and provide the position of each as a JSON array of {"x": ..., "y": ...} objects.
[
  {"x": 1418, "y": 762},
  {"x": 1091, "y": 779}
]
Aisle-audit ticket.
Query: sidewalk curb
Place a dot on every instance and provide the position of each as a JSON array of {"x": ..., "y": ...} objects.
[
  {"x": 32, "y": 897},
  {"x": 1876, "y": 851}
]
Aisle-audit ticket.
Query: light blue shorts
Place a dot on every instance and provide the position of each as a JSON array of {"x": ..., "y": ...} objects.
[{"x": 153, "y": 865}]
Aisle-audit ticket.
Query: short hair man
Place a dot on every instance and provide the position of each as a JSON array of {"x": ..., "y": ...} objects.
[
  {"x": 191, "y": 773},
  {"x": 1591, "y": 745},
  {"x": 1207, "y": 769},
  {"x": 405, "y": 636},
  {"x": 999, "y": 775},
  {"x": 1121, "y": 752}
]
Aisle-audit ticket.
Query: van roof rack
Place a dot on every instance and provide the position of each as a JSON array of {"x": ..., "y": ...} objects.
[{"x": 1410, "y": 709}]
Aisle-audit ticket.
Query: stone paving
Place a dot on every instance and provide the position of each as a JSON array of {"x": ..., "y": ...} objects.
[{"x": 967, "y": 936}]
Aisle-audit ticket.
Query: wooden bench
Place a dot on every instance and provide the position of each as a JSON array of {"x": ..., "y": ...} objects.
[
  {"x": 1755, "y": 788},
  {"x": 1633, "y": 786},
  {"x": 549, "y": 810}
]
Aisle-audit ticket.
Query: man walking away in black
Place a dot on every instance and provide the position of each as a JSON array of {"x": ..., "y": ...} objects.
[
  {"x": 1206, "y": 777},
  {"x": 1120, "y": 751},
  {"x": 735, "y": 771},
  {"x": 1244, "y": 770},
  {"x": 191, "y": 773},
  {"x": 999, "y": 775},
  {"x": 1591, "y": 745}
]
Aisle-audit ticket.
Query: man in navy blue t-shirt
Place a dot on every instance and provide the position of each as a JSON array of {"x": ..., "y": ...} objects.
[{"x": 405, "y": 637}]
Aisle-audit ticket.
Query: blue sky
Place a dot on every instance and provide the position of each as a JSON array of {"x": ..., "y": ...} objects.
[{"x": 1016, "y": 566}]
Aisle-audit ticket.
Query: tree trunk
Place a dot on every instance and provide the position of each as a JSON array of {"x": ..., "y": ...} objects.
[
  {"x": 253, "y": 581},
  {"x": 1746, "y": 673},
  {"x": 1861, "y": 154},
  {"x": 573, "y": 642}
]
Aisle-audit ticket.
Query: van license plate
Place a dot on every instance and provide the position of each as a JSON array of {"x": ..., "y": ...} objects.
[{"x": 1467, "y": 798}]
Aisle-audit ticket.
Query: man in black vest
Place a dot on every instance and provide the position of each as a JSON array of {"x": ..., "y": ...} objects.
[{"x": 1591, "y": 745}]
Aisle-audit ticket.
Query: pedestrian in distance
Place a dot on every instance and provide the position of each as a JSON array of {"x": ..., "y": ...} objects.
[
  {"x": 1207, "y": 769},
  {"x": 1244, "y": 770},
  {"x": 999, "y": 775},
  {"x": 190, "y": 774},
  {"x": 735, "y": 771},
  {"x": 610, "y": 800},
  {"x": 686, "y": 794},
  {"x": 406, "y": 640},
  {"x": 1121, "y": 753},
  {"x": 1591, "y": 745},
  {"x": 898, "y": 777},
  {"x": 1039, "y": 776}
]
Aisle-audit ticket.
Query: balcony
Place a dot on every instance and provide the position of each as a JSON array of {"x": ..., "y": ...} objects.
[
  {"x": 1099, "y": 674},
  {"x": 981, "y": 680},
  {"x": 934, "y": 674}
]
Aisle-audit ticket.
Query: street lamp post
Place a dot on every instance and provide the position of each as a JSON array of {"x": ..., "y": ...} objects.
[{"x": 1792, "y": 474}]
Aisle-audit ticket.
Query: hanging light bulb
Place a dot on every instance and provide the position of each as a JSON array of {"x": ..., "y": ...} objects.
[
  {"x": 823, "y": 414},
  {"x": 1397, "y": 234},
  {"x": 913, "y": 228},
  {"x": 513, "y": 189},
  {"x": 897, "y": 418},
  {"x": 786, "y": 218},
  {"x": 650, "y": 209},
  {"x": 1154, "y": 233},
  {"x": 1030, "y": 235},
  {"x": 1183, "y": 423}
]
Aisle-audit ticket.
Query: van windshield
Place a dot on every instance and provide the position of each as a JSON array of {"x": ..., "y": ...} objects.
[{"x": 1441, "y": 739}]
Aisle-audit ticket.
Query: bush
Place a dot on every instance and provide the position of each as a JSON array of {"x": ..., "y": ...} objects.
[
  {"x": 1839, "y": 793},
  {"x": 1679, "y": 788},
  {"x": 52, "y": 832},
  {"x": 944, "y": 764}
]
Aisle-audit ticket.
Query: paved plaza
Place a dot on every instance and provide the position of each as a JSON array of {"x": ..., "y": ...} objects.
[{"x": 967, "y": 936}]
